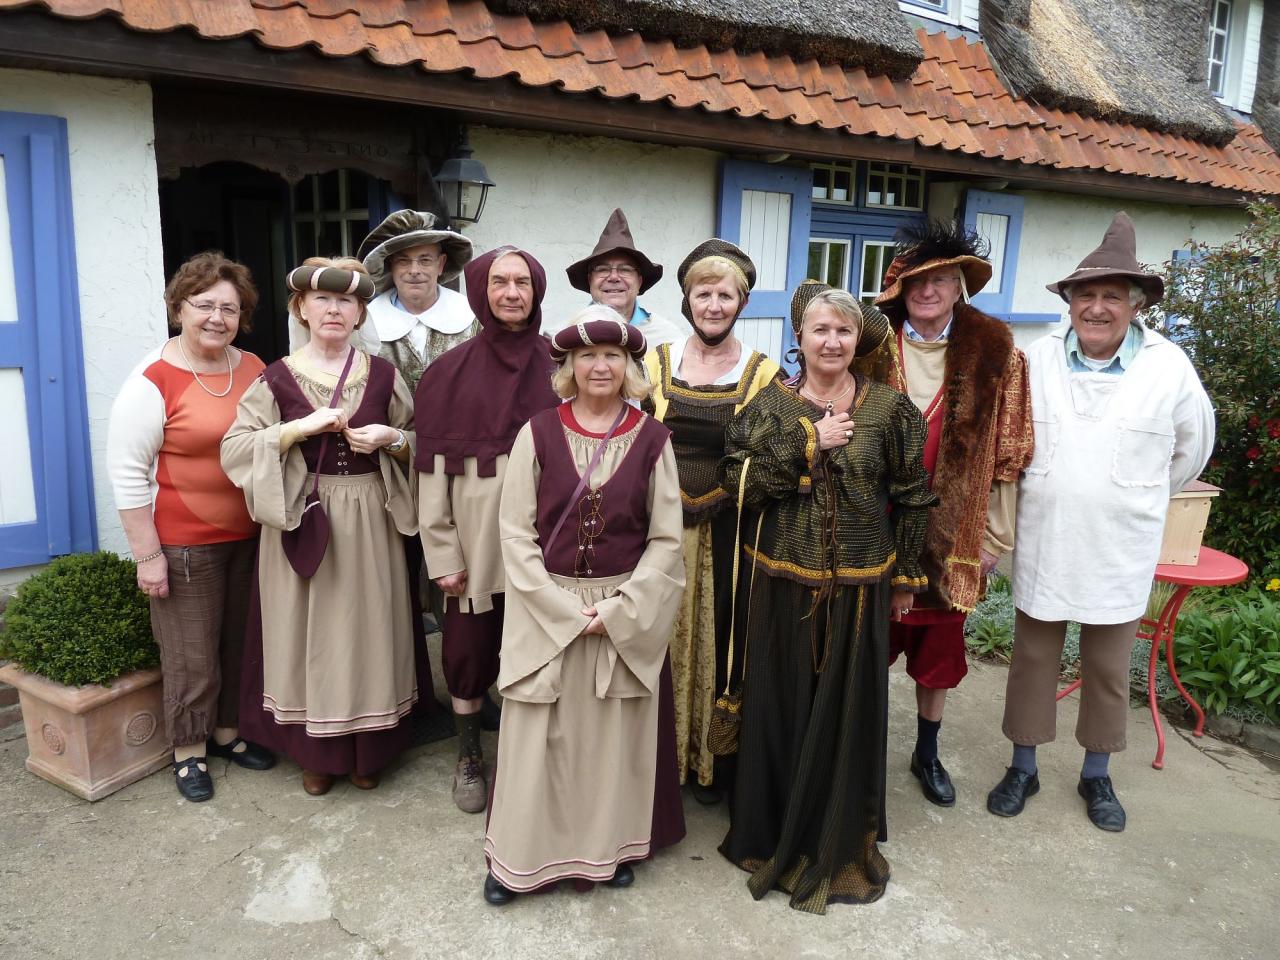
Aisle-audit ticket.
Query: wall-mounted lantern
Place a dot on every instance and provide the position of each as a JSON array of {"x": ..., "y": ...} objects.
[{"x": 463, "y": 183}]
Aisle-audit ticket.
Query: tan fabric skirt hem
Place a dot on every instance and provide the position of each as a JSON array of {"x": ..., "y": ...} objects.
[
  {"x": 524, "y": 881},
  {"x": 384, "y": 720}
]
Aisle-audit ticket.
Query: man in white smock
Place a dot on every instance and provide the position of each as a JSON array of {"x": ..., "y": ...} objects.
[{"x": 1121, "y": 424}]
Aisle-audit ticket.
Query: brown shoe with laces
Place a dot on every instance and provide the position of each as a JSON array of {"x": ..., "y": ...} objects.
[{"x": 470, "y": 791}]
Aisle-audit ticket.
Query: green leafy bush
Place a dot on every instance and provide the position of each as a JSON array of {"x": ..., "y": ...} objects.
[
  {"x": 988, "y": 629},
  {"x": 80, "y": 620},
  {"x": 1228, "y": 653},
  {"x": 1221, "y": 306}
]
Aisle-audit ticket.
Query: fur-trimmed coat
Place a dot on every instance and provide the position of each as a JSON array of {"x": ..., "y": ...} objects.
[{"x": 987, "y": 436}]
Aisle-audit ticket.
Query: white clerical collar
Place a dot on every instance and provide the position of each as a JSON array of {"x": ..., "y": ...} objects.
[{"x": 449, "y": 314}]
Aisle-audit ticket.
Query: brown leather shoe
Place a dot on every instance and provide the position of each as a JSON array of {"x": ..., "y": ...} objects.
[
  {"x": 317, "y": 784},
  {"x": 470, "y": 792},
  {"x": 368, "y": 782}
]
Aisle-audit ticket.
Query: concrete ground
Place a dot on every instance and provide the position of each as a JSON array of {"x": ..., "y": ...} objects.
[{"x": 264, "y": 871}]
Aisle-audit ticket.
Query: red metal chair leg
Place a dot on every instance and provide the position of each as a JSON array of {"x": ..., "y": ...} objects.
[
  {"x": 1167, "y": 623},
  {"x": 1158, "y": 762},
  {"x": 1070, "y": 688}
]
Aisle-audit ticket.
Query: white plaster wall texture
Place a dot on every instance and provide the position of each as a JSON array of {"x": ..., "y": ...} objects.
[
  {"x": 555, "y": 192},
  {"x": 1059, "y": 230},
  {"x": 119, "y": 260}
]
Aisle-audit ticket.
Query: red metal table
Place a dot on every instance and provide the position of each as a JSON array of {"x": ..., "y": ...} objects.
[{"x": 1215, "y": 569}]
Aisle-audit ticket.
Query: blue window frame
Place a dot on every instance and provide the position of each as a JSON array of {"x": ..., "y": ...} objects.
[
  {"x": 42, "y": 342},
  {"x": 766, "y": 209},
  {"x": 998, "y": 218}
]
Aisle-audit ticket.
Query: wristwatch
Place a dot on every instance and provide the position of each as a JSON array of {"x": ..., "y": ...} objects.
[{"x": 399, "y": 443}]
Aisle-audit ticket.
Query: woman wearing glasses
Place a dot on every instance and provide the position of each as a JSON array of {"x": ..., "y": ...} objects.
[{"x": 187, "y": 525}]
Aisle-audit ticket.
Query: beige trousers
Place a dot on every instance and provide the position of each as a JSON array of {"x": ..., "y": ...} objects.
[{"x": 1030, "y": 706}]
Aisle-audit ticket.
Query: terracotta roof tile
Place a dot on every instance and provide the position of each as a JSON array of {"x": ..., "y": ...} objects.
[{"x": 954, "y": 101}]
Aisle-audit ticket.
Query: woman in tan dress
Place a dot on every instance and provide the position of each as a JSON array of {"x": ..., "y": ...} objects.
[
  {"x": 590, "y": 527},
  {"x": 329, "y": 667}
]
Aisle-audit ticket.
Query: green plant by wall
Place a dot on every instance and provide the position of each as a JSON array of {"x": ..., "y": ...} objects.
[
  {"x": 1228, "y": 653},
  {"x": 1221, "y": 305},
  {"x": 80, "y": 620}
]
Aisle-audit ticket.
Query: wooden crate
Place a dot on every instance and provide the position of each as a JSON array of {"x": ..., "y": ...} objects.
[{"x": 1184, "y": 526}]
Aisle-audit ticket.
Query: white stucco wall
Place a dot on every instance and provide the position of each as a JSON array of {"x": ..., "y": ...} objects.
[
  {"x": 555, "y": 192},
  {"x": 1059, "y": 230},
  {"x": 119, "y": 260}
]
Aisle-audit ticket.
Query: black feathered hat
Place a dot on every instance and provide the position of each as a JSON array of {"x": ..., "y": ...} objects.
[{"x": 931, "y": 244}]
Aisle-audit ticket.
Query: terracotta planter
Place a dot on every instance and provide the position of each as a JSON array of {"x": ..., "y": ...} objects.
[{"x": 92, "y": 740}]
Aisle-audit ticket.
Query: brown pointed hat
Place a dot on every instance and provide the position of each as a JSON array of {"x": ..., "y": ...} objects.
[
  {"x": 411, "y": 228},
  {"x": 875, "y": 325},
  {"x": 1116, "y": 256},
  {"x": 616, "y": 238}
]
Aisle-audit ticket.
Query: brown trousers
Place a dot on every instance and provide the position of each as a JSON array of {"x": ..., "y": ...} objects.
[
  {"x": 1030, "y": 705},
  {"x": 199, "y": 628}
]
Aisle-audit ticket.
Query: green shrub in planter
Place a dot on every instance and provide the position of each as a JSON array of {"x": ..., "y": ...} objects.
[{"x": 80, "y": 620}]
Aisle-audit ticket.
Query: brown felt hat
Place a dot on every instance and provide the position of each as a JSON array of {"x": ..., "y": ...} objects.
[
  {"x": 616, "y": 238},
  {"x": 875, "y": 325},
  {"x": 1116, "y": 256},
  {"x": 411, "y": 228}
]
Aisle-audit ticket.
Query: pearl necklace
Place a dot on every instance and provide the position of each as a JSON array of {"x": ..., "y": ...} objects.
[
  {"x": 830, "y": 402},
  {"x": 187, "y": 360}
]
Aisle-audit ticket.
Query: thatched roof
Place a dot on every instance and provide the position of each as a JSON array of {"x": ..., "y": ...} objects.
[
  {"x": 1266, "y": 98},
  {"x": 1131, "y": 61},
  {"x": 872, "y": 34}
]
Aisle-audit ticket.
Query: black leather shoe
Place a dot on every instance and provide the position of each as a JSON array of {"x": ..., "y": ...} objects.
[
  {"x": 624, "y": 876},
  {"x": 1105, "y": 811},
  {"x": 252, "y": 757},
  {"x": 195, "y": 784},
  {"x": 935, "y": 782},
  {"x": 490, "y": 714},
  {"x": 495, "y": 893},
  {"x": 1010, "y": 795},
  {"x": 707, "y": 796}
]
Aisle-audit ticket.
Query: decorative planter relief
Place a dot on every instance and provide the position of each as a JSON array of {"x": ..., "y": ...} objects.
[{"x": 92, "y": 740}]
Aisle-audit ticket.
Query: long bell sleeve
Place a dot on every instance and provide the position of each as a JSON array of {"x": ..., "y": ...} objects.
[{"x": 272, "y": 478}]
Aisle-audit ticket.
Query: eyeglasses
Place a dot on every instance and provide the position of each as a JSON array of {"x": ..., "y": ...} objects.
[
  {"x": 423, "y": 263},
  {"x": 930, "y": 280},
  {"x": 625, "y": 270},
  {"x": 206, "y": 308}
]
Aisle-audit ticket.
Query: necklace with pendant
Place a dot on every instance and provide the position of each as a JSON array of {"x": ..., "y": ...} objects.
[{"x": 831, "y": 401}]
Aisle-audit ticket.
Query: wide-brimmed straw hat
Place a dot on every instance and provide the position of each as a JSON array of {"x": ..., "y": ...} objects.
[
  {"x": 930, "y": 246},
  {"x": 616, "y": 238},
  {"x": 412, "y": 228},
  {"x": 875, "y": 325},
  {"x": 1116, "y": 256}
]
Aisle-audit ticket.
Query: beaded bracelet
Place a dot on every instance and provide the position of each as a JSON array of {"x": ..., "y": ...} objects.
[{"x": 152, "y": 556}]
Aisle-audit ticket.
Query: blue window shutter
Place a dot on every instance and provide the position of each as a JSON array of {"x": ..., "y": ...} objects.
[
  {"x": 43, "y": 341},
  {"x": 998, "y": 217},
  {"x": 766, "y": 209}
]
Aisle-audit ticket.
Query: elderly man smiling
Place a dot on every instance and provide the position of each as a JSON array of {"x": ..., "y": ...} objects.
[
  {"x": 1121, "y": 424},
  {"x": 616, "y": 274}
]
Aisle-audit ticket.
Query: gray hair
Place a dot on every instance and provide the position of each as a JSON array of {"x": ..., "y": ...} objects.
[
  {"x": 1137, "y": 296},
  {"x": 844, "y": 303}
]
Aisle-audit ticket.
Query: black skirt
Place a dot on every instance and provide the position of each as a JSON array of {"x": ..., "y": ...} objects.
[{"x": 807, "y": 808}]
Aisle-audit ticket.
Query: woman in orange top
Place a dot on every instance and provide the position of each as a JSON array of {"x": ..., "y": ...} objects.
[{"x": 187, "y": 525}]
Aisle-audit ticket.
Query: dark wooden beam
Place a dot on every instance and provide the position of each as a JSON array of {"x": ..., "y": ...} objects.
[{"x": 104, "y": 47}]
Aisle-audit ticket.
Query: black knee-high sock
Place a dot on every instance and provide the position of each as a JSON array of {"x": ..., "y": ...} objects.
[
  {"x": 468, "y": 725},
  {"x": 927, "y": 738}
]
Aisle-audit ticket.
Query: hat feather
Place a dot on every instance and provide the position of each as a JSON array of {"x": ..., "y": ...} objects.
[{"x": 924, "y": 240}]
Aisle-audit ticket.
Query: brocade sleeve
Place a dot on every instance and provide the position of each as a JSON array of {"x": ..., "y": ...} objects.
[
  {"x": 909, "y": 495},
  {"x": 782, "y": 451},
  {"x": 1015, "y": 436}
]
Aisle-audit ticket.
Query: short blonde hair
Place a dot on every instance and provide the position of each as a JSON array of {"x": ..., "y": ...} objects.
[
  {"x": 342, "y": 263},
  {"x": 713, "y": 269},
  {"x": 635, "y": 385},
  {"x": 842, "y": 302}
]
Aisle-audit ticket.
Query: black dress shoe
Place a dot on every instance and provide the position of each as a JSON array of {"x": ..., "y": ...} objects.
[
  {"x": 252, "y": 757},
  {"x": 1105, "y": 811},
  {"x": 707, "y": 796},
  {"x": 490, "y": 714},
  {"x": 495, "y": 893},
  {"x": 624, "y": 876},
  {"x": 935, "y": 782},
  {"x": 195, "y": 784},
  {"x": 1010, "y": 795}
]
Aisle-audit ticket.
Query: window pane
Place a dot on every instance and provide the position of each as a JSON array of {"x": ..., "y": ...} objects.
[
  {"x": 357, "y": 191},
  {"x": 1219, "y": 47},
  {"x": 836, "y": 254},
  {"x": 819, "y": 183},
  {"x": 815, "y": 260},
  {"x": 1215, "y": 78},
  {"x": 875, "y": 187},
  {"x": 841, "y": 190},
  {"x": 305, "y": 234},
  {"x": 913, "y": 193},
  {"x": 329, "y": 199},
  {"x": 1221, "y": 15}
]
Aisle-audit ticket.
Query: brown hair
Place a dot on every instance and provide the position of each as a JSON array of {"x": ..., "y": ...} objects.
[
  {"x": 203, "y": 271},
  {"x": 341, "y": 263}
]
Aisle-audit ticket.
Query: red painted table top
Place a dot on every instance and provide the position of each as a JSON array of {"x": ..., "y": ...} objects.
[{"x": 1215, "y": 569}]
